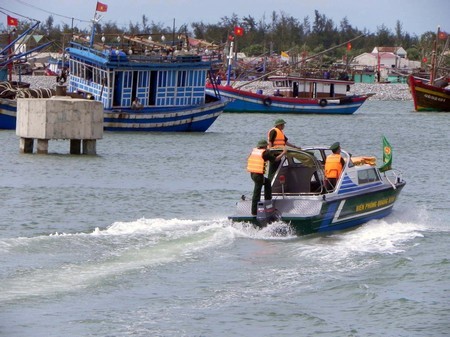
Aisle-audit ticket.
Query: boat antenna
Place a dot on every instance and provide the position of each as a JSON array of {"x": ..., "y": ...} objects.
[{"x": 303, "y": 60}]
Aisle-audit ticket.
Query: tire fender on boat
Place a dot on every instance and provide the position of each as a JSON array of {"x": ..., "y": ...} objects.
[
  {"x": 267, "y": 101},
  {"x": 323, "y": 102}
]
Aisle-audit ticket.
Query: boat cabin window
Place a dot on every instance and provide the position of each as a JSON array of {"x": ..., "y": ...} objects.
[{"x": 368, "y": 175}]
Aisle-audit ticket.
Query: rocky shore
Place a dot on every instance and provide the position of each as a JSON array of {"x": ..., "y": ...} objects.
[{"x": 382, "y": 91}]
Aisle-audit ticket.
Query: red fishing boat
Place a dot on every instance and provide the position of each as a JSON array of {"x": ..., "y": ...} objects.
[
  {"x": 428, "y": 97},
  {"x": 433, "y": 95}
]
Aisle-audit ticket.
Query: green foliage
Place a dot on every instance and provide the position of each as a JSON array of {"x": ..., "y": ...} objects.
[{"x": 274, "y": 34}]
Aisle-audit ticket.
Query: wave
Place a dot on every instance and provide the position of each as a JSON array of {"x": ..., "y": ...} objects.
[{"x": 69, "y": 262}]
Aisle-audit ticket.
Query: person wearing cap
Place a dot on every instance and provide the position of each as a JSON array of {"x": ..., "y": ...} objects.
[
  {"x": 333, "y": 165},
  {"x": 276, "y": 137},
  {"x": 256, "y": 165}
]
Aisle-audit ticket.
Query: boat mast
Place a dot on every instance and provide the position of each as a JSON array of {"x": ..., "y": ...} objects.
[
  {"x": 230, "y": 60},
  {"x": 433, "y": 57}
]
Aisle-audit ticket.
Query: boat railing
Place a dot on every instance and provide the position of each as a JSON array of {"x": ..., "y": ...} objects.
[{"x": 393, "y": 176}]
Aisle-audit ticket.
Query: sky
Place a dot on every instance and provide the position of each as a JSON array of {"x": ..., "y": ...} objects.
[{"x": 416, "y": 16}]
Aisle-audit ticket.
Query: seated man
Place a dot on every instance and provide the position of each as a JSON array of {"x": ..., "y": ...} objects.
[
  {"x": 333, "y": 166},
  {"x": 136, "y": 105}
]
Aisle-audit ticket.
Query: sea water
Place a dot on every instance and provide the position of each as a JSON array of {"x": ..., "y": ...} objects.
[{"x": 135, "y": 241}]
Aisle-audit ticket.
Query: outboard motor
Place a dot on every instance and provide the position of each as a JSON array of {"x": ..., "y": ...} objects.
[{"x": 267, "y": 213}]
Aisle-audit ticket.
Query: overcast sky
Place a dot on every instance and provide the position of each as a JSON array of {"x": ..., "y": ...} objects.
[{"x": 416, "y": 16}]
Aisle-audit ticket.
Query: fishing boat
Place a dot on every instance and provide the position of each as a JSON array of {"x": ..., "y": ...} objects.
[
  {"x": 170, "y": 88},
  {"x": 11, "y": 90},
  {"x": 144, "y": 85},
  {"x": 294, "y": 94},
  {"x": 303, "y": 198},
  {"x": 433, "y": 94},
  {"x": 428, "y": 97},
  {"x": 290, "y": 93}
]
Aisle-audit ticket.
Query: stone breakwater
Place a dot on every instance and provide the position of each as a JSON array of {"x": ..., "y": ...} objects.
[{"x": 383, "y": 91}]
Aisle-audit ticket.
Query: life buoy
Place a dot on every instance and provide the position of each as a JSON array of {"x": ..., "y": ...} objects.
[
  {"x": 323, "y": 102},
  {"x": 267, "y": 101}
]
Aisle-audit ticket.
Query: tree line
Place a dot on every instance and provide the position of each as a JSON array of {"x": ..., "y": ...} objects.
[{"x": 272, "y": 34}]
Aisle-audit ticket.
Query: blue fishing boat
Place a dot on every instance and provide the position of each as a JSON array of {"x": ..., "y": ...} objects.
[
  {"x": 168, "y": 88},
  {"x": 304, "y": 198},
  {"x": 144, "y": 85}
]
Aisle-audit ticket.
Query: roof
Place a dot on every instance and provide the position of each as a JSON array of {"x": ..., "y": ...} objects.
[{"x": 394, "y": 50}]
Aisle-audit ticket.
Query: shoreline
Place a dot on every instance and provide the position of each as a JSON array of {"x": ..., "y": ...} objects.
[{"x": 382, "y": 91}]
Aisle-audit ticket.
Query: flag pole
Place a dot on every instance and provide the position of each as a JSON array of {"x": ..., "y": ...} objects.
[
  {"x": 230, "y": 59},
  {"x": 91, "y": 42}
]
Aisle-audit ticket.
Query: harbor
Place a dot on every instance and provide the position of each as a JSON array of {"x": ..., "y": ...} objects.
[
  {"x": 136, "y": 239},
  {"x": 131, "y": 186}
]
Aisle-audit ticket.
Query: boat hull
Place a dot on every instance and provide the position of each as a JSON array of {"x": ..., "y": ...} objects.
[
  {"x": 170, "y": 119},
  {"x": 245, "y": 101},
  {"x": 427, "y": 97},
  {"x": 8, "y": 109},
  {"x": 176, "y": 119},
  {"x": 309, "y": 215}
]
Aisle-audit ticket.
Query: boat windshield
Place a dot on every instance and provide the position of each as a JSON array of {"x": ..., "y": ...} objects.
[{"x": 299, "y": 173}]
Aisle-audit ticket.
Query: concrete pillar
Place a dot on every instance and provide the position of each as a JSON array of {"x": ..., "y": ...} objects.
[
  {"x": 75, "y": 146},
  {"x": 89, "y": 146},
  {"x": 59, "y": 118},
  {"x": 42, "y": 146},
  {"x": 26, "y": 145}
]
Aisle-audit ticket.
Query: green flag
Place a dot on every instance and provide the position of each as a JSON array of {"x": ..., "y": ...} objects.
[{"x": 387, "y": 156}]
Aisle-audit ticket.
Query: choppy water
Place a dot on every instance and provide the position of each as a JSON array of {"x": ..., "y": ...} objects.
[{"x": 135, "y": 241}]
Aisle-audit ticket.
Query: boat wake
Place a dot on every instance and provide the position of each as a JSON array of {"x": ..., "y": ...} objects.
[{"x": 79, "y": 261}]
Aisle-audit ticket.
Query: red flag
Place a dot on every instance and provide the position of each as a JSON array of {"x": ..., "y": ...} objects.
[
  {"x": 349, "y": 46},
  {"x": 12, "y": 21},
  {"x": 101, "y": 7},
  {"x": 238, "y": 31},
  {"x": 442, "y": 35}
]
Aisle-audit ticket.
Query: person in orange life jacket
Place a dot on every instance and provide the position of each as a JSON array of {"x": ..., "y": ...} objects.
[
  {"x": 276, "y": 137},
  {"x": 333, "y": 165},
  {"x": 256, "y": 165}
]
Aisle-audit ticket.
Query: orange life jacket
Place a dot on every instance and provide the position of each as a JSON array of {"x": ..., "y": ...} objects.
[
  {"x": 255, "y": 162},
  {"x": 280, "y": 139},
  {"x": 333, "y": 166}
]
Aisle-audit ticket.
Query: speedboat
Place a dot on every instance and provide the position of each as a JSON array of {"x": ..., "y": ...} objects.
[{"x": 303, "y": 198}]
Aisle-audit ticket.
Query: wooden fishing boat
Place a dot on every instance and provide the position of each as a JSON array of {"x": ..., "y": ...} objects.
[
  {"x": 429, "y": 97},
  {"x": 302, "y": 198},
  {"x": 433, "y": 94},
  {"x": 170, "y": 88},
  {"x": 293, "y": 94},
  {"x": 144, "y": 85}
]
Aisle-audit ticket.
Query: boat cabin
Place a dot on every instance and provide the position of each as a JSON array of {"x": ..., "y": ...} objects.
[
  {"x": 116, "y": 78},
  {"x": 291, "y": 86},
  {"x": 302, "y": 172}
]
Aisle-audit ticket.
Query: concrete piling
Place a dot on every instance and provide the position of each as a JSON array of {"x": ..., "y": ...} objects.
[{"x": 59, "y": 117}]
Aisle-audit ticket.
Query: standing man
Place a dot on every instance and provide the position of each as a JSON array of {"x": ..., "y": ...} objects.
[
  {"x": 276, "y": 137},
  {"x": 256, "y": 165},
  {"x": 333, "y": 166}
]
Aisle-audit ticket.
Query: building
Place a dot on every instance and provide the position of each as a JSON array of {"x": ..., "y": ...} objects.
[{"x": 391, "y": 62}]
